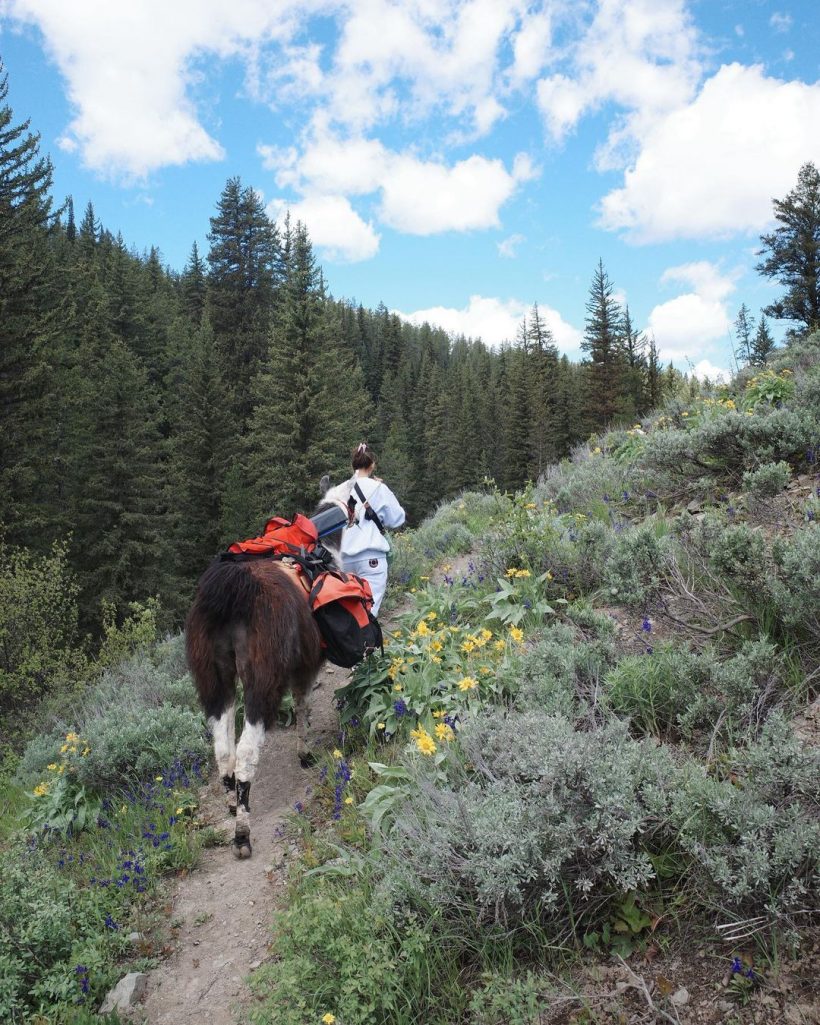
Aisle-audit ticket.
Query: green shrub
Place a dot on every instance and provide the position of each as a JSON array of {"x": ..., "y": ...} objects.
[
  {"x": 40, "y": 647},
  {"x": 796, "y": 590},
  {"x": 534, "y": 819},
  {"x": 338, "y": 952},
  {"x": 635, "y": 567},
  {"x": 655, "y": 690},
  {"x": 768, "y": 480}
]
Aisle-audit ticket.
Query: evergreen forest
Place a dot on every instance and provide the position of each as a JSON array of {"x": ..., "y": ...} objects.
[{"x": 150, "y": 416}]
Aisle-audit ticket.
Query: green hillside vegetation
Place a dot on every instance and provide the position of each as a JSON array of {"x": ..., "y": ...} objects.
[{"x": 580, "y": 742}]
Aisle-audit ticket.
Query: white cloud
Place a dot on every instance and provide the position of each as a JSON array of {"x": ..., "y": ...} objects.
[
  {"x": 689, "y": 324},
  {"x": 640, "y": 54},
  {"x": 781, "y": 22},
  {"x": 508, "y": 246},
  {"x": 334, "y": 226},
  {"x": 711, "y": 168},
  {"x": 495, "y": 321},
  {"x": 418, "y": 197},
  {"x": 423, "y": 198},
  {"x": 715, "y": 374},
  {"x": 128, "y": 69}
]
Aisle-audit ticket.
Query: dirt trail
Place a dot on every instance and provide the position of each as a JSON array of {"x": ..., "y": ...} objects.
[{"x": 222, "y": 912}]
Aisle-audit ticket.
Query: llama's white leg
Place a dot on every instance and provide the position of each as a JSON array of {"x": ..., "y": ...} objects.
[
  {"x": 224, "y": 734},
  {"x": 301, "y": 707},
  {"x": 247, "y": 758}
]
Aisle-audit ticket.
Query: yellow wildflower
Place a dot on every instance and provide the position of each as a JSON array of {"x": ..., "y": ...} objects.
[
  {"x": 396, "y": 633},
  {"x": 397, "y": 687},
  {"x": 71, "y": 737},
  {"x": 500, "y": 645},
  {"x": 348, "y": 800},
  {"x": 436, "y": 646},
  {"x": 511, "y": 572},
  {"x": 337, "y": 753},
  {"x": 523, "y": 573},
  {"x": 179, "y": 811},
  {"x": 468, "y": 646},
  {"x": 158, "y": 779},
  {"x": 328, "y": 1018},
  {"x": 516, "y": 634},
  {"x": 86, "y": 751},
  {"x": 426, "y": 744},
  {"x": 548, "y": 575},
  {"x": 424, "y": 578},
  {"x": 379, "y": 725},
  {"x": 41, "y": 790},
  {"x": 684, "y": 413},
  {"x": 63, "y": 749},
  {"x": 467, "y": 683},
  {"x": 436, "y": 659},
  {"x": 52, "y": 767},
  {"x": 597, "y": 450},
  {"x": 438, "y": 714},
  {"x": 431, "y": 616},
  {"x": 530, "y": 505},
  {"x": 422, "y": 629},
  {"x": 444, "y": 732},
  {"x": 486, "y": 634}
]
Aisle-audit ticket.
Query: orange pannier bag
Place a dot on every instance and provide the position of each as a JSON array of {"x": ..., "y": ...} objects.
[
  {"x": 280, "y": 537},
  {"x": 341, "y": 604}
]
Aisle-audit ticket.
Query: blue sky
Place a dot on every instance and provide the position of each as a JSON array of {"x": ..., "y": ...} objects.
[{"x": 457, "y": 160}]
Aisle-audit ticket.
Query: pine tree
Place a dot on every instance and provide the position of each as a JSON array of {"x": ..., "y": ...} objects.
[
  {"x": 654, "y": 387},
  {"x": 245, "y": 262},
  {"x": 763, "y": 344},
  {"x": 603, "y": 340},
  {"x": 193, "y": 286},
  {"x": 27, "y": 331},
  {"x": 543, "y": 359},
  {"x": 792, "y": 252},
  {"x": 310, "y": 402},
  {"x": 633, "y": 345},
  {"x": 744, "y": 329}
]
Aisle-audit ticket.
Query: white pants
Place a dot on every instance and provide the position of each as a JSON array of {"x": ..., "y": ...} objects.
[{"x": 374, "y": 571}]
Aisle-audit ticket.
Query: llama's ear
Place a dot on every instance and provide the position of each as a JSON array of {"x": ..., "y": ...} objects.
[{"x": 324, "y": 485}]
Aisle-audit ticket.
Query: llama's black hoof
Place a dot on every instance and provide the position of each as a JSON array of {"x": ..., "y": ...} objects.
[
  {"x": 232, "y": 808},
  {"x": 242, "y": 846},
  {"x": 307, "y": 760}
]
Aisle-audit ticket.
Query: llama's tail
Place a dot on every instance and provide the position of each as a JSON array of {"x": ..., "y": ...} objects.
[
  {"x": 226, "y": 594},
  {"x": 225, "y": 597}
]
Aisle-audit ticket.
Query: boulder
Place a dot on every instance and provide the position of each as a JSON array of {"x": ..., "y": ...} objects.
[{"x": 128, "y": 991}]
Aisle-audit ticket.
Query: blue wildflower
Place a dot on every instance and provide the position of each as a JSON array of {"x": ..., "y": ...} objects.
[
  {"x": 737, "y": 965},
  {"x": 400, "y": 708},
  {"x": 110, "y": 923},
  {"x": 646, "y": 626}
]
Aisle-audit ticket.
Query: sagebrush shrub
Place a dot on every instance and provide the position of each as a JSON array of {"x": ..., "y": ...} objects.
[
  {"x": 635, "y": 567},
  {"x": 796, "y": 591},
  {"x": 768, "y": 480}
]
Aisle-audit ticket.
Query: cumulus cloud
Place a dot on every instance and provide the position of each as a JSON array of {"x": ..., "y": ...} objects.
[
  {"x": 418, "y": 197},
  {"x": 334, "y": 226},
  {"x": 689, "y": 324},
  {"x": 640, "y": 54},
  {"x": 711, "y": 167},
  {"x": 128, "y": 70},
  {"x": 705, "y": 369},
  {"x": 495, "y": 321}
]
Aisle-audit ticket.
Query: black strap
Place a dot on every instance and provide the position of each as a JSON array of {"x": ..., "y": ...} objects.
[{"x": 373, "y": 515}]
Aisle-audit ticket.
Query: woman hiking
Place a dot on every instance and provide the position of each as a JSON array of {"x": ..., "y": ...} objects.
[{"x": 373, "y": 510}]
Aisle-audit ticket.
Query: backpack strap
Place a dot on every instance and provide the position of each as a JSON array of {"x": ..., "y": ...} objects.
[{"x": 374, "y": 516}]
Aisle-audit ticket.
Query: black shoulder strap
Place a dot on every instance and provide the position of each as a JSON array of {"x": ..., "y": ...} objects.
[{"x": 374, "y": 516}]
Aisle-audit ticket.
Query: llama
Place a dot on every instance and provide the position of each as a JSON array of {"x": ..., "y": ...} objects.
[{"x": 251, "y": 620}]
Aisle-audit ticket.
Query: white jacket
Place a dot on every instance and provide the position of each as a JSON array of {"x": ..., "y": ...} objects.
[{"x": 362, "y": 538}]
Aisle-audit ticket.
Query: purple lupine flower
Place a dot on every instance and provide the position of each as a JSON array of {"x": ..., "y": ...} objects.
[
  {"x": 646, "y": 625},
  {"x": 400, "y": 708}
]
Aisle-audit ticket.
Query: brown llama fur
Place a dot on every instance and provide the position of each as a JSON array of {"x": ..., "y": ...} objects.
[{"x": 250, "y": 620}]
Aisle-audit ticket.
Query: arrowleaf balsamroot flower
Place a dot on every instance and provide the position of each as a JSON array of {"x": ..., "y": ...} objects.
[{"x": 467, "y": 683}]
